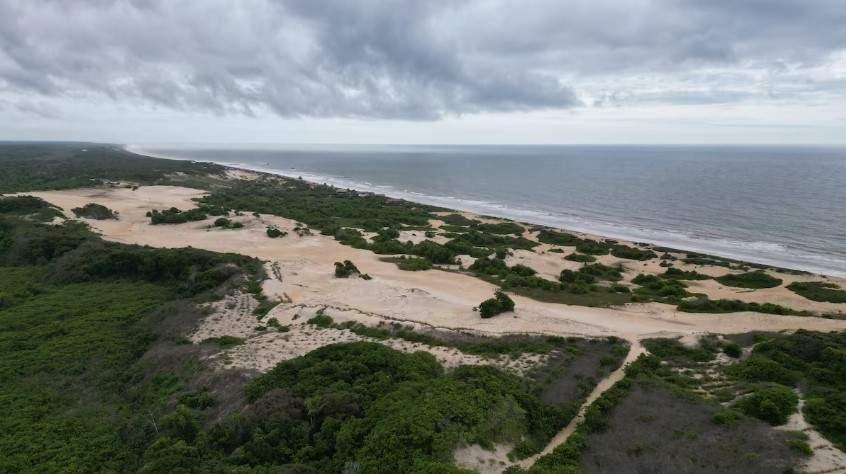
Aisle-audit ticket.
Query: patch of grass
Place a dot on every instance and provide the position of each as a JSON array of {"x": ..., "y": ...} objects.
[
  {"x": 755, "y": 279},
  {"x": 819, "y": 291}
]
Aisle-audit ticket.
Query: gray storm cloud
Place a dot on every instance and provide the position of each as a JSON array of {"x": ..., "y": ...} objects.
[{"x": 415, "y": 60}]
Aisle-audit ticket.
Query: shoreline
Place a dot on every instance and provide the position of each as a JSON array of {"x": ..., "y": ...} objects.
[{"x": 719, "y": 247}]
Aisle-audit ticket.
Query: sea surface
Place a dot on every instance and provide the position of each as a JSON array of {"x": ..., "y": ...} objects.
[{"x": 778, "y": 205}]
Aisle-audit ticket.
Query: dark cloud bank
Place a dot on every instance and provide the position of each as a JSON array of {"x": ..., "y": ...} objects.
[{"x": 405, "y": 59}]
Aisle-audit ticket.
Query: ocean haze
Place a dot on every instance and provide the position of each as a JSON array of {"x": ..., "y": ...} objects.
[{"x": 779, "y": 205}]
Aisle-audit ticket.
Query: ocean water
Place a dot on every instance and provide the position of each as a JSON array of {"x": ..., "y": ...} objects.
[{"x": 779, "y": 205}]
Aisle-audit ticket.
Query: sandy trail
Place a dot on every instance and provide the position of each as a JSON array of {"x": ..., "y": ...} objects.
[
  {"x": 635, "y": 350},
  {"x": 434, "y": 297}
]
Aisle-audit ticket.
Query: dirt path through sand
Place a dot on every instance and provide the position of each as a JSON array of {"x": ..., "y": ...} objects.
[{"x": 635, "y": 350}]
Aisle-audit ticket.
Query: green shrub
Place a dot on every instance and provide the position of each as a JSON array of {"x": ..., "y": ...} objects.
[
  {"x": 501, "y": 228},
  {"x": 345, "y": 269},
  {"x": 819, "y": 291},
  {"x": 413, "y": 264},
  {"x": 632, "y": 253},
  {"x": 273, "y": 232},
  {"x": 772, "y": 403},
  {"x": 321, "y": 320},
  {"x": 676, "y": 274},
  {"x": 29, "y": 206},
  {"x": 176, "y": 216},
  {"x": 592, "y": 247},
  {"x": 94, "y": 211},
  {"x": 500, "y": 303},
  {"x": 653, "y": 287},
  {"x": 558, "y": 238},
  {"x": 578, "y": 257},
  {"x": 759, "y": 368},
  {"x": 732, "y": 350},
  {"x": 224, "y": 341},
  {"x": 458, "y": 219},
  {"x": 755, "y": 279},
  {"x": 602, "y": 272},
  {"x": 706, "y": 305}
]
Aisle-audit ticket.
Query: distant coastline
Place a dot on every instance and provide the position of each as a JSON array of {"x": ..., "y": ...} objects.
[{"x": 827, "y": 265}]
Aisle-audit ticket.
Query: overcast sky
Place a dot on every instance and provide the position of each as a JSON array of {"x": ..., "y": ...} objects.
[{"x": 358, "y": 71}]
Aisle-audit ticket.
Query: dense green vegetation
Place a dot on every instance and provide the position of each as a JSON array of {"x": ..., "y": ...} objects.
[
  {"x": 755, "y": 279},
  {"x": 500, "y": 303},
  {"x": 819, "y": 291},
  {"x": 94, "y": 211},
  {"x": 31, "y": 207},
  {"x": 88, "y": 364},
  {"x": 38, "y": 166}
]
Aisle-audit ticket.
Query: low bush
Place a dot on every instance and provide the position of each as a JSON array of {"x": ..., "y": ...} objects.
[
  {"x": 632, "y": 253},
  {"x": 655, "y": 288},
  {"x": 732, "y": 350},
  {"x": 819, "y": 291},
  {"x": 706, "y": 305},
  {"x": 676, "y": 274},
  {"x": 593, "y": 247},
  {"x": 345, "y": 269},
  {"x": 273, "y": 232},
  {"x": 224, "y": 342},
  {"x": 772, "y": 403},
  {"x": 578, "y": 257},
  {"x": 755, "y": 279},
  {"x": 602, "y": 272},
  {"x": 558, "y": 238},
  {"x": 94, "y": 211},
  {"x": 501, "y": 228},
  {"x": 412, "y": 264},
  {"x": 500, "y": 303},
  {"x": 176, "y": 216}
]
